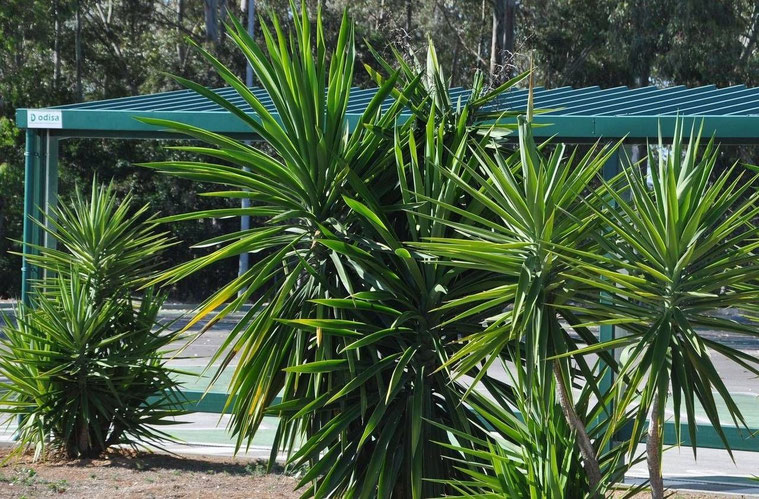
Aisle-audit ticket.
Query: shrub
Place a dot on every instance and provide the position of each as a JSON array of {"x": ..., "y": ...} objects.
[
  {"x": 531, "y": 450},
  {"x": 678, "y": 249},
  {"x": 84, "y": 361},
  {"x": 351, "y": 332}
]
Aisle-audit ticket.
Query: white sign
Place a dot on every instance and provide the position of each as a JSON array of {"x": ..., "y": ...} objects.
[{"x": 44, "y": 118}]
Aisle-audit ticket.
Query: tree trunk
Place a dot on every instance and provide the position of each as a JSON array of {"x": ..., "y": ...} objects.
[
  {"x": 56, "y": 45},
  {"x": 78, "y": 50},
  {"x": 381, "y": 16},
  {"x": 589, "y": 458},
  {"x": 653, "y": 451},
  {"x": 494, "y": 41},
  {"x": 481, "y": 36},
  {"x": 508, "y": 30},
  {"x": 222, "y": 19},
  {"x": 408, "y": 16},
  {"x": 751, "y": 36},
  {"x": 211, "y": 20},
  {"x": 250, "y": 8},
  {"x": 181, "y": 48},
  {"x": 502, "y": 40},
  {"x": 455, "y": 62}
]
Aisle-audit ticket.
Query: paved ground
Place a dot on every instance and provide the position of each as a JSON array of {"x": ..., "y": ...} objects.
[{"x": 713, "y": 471}]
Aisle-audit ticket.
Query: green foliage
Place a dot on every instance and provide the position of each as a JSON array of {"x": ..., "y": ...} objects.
[
  {"x": 85, "y": 362},
  {"x": 531, "y": 450},
  {"x": 351, "y": 331},
  {"x": 530, "y": 216},
  {"x": 680, "y": 249},
  {"x": 127, "y": 46},
  {"x": 609, "y": 43},
  {"x": 11, "y": 205}
]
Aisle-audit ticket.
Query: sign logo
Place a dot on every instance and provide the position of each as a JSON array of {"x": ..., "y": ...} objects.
[{"x": 44, "y": 118}]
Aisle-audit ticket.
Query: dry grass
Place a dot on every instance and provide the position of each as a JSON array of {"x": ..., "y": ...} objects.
[{"x": 125, "y": 474}]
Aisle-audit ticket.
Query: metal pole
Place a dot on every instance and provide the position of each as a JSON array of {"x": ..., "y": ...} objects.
[
  {"x": 245, "y": 203},
  {"x": 608, "y": 332},
  {"x": 51, "y": 187},
  {"x": 251, "y": 31},
  {"x": 31, "y": 155}
]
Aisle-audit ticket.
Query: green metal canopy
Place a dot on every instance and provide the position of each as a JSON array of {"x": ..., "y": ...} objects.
[
  {"x": 581, "y": 114},
  {"x": 573, "y": 115}
]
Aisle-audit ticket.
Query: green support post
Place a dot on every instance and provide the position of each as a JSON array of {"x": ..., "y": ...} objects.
[
  {"x": 50, "y": 186},
  {"x": 40, "y": 191},
  {"x": 31, "y": 192},
  {"x": 607, "y": 332}
]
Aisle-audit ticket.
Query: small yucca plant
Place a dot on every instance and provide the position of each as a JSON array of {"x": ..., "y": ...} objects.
[
  {"x": 84, "y": 361},
  {"x": 531, "y": 450},
  {"x": 526, "y": 209}
]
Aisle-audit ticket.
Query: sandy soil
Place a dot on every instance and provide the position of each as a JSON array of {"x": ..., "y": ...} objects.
[
  {"x": 139, "y": 475},
  {"x": 126, "y": 474}
]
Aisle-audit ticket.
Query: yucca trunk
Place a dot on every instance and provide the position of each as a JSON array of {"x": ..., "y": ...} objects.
[
  {"x": 653, "y": 451},
  {"x": 592, "y": 468}
]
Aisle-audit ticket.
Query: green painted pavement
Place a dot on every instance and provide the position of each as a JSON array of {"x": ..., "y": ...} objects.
[{"x": 194, "y": 379}]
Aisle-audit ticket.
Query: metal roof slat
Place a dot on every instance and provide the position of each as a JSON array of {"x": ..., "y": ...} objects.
[
  {"x": 573, "y": 101},
  {"x": 163, "y": 103},
  {"x": 738, "y": 106},
  {"x": 518, "y": 98},
  {"x": 694, "y": 99},
  {"x": 99, "y": 104},
  {"x": 520, "y": 101},
  {"x": 363, "y": 95},
  {"x": 197, "y": 101},
  {"x": 232, "y": 96},
  {"x": 521, "y": 93},
  {"x": 639, "y": 101},
  {"x": 187, "y": 104},
  {"x": 752, "y": 111},
  {"x": 155, "y": 103},
  {"x": 706, "y": 107},
  {"x": 614, "y": 100},
  {"x": 200, "y": 102}
]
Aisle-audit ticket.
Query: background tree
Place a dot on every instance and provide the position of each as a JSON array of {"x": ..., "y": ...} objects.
[{"x": 63, "y": 51}]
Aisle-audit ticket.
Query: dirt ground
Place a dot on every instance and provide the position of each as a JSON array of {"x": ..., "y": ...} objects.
[
  {"x": 671, "y": 494},
  {"x": 140, "y": 475},
  {"x": 126, "y": 474}
]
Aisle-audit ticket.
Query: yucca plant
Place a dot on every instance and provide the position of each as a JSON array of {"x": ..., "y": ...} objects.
[
  {"x": 344, "y": 325},
  {"x": 297, "y": 191},
  {"x": 525, "y": 208},
  {"x": 395, "y": 309},
  {"x": 530, "y": 450},
  {"x": 678, "y": 250},
  {"x": 84, "y": 362}
]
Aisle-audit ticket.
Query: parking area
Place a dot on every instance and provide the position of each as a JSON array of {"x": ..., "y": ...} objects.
[{"x": 206, "y": 433}]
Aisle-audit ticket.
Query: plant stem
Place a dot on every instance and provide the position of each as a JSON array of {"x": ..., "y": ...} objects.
[
  {"x": 592, "y": 467},
  {"x": 653, "y": 451}
]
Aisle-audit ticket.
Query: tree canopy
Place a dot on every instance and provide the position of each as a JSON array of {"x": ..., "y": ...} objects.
[{"x": 61, "y": 51}]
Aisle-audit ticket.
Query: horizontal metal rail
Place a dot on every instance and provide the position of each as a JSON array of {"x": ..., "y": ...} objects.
[{"x": 740, "y": 439}]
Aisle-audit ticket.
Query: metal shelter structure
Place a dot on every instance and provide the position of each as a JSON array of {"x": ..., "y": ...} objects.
[{"x": 574, "y": 116}]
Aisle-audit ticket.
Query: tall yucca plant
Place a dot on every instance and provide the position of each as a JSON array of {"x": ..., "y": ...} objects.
[
  {"x": 344, "y": 326},
  {"x": 525, "y": 206},
  {"x": 680, "y": 249},
  {"x": 396, "y": 311},
  {"x": 297, "y": 190}
]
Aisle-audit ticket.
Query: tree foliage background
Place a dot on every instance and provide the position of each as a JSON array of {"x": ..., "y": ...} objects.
[{"x": 62, "y": 51}]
